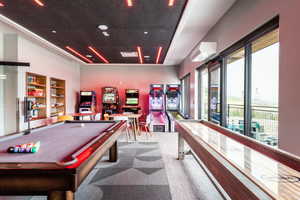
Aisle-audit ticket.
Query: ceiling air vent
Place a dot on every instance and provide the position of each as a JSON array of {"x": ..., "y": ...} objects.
[{"x": 129, "y": 54}]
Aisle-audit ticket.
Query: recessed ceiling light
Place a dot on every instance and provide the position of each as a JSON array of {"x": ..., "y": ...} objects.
[
  {"x": 146, "y": 32},
  {"x": 106, "y": 34},
  {"x": 103, "y": 27},
  {"x": 89, "y": 56},
  {"x": 54, "y": 31}
]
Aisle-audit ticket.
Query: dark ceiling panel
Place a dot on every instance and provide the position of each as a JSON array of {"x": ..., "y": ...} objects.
[{"x": 76, "y": 25}]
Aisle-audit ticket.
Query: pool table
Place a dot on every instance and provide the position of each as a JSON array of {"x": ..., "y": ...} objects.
[{"x": 68, "y": 152}]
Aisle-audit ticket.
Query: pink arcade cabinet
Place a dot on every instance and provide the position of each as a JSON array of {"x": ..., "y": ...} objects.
[{"x": 157, "y": 118}]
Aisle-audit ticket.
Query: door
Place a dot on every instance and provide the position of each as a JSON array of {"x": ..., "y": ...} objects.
[{"x": 9, "y": 103}]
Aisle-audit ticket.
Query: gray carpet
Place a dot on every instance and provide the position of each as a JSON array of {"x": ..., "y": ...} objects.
[{"x": 139, "y": 174}]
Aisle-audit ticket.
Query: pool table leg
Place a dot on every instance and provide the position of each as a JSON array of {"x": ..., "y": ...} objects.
[
  {"x": 113, "y": 153},
  {"x": 61, "y": 195}
]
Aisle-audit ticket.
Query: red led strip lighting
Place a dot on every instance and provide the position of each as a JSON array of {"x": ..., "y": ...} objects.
[
  {"x": 139, "y": 50},
  {"x": 78, "y": 54},
  {"x": 129, "y": 3},
  {"x": 171, "y": 3},
  {"x": 38, "y": 2},
  {"x": 98, "y": 54},
  {"x": 158, "y": 55}
]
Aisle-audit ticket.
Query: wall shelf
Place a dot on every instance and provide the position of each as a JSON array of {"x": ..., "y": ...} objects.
[
  {"x": 36, "y": 92},
  {"x": 57, "y": 94}
]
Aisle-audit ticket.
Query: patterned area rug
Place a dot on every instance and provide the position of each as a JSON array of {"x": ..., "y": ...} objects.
[{"x": 139, "y": 174}]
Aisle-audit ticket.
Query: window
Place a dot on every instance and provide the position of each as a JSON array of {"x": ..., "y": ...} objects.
[
  {"x": 235, "y": 65},
  {"x": 204, "y": 94},
  {"x": 185, "y": 97},
  {"x": 239, "y": 88},
  {"x": 264, "y": 88},
  {"x": 215, "y": 94}
]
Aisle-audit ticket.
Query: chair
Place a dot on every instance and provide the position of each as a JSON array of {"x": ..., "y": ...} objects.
[{"x": 144, "y": 125}]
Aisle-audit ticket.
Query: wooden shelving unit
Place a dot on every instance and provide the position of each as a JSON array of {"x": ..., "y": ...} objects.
[
  {"x": 58, "y": 97},
  {"x": 36, "y": 93}
]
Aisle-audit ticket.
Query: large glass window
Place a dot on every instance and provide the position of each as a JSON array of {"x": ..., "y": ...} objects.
[
  {"x": 240, "y": 90},
  {"x": 185, "y": 91},
  {"x": 215, "y": 94},
  {"x": 204, "y": 93},
  {"x": 235, "y": 90},
  {"x": 265, "y": 80}
]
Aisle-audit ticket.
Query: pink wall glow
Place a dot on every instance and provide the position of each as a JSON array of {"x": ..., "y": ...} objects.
[{"x": 126, "y": 77}]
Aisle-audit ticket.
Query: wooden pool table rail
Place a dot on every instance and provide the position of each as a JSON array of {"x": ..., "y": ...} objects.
[{"x": 58, "y": 182}]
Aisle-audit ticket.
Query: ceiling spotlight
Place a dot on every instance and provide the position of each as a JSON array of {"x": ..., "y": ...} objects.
[
  {"x": 89, "y": 56},
  {"x": 103, "y": 27},
  {"x": 54, "y": 31},
  {"x": 106, "y": 34},
  {"x": 1, "y": 4},
  {"x": 39, "y": 2},
  {"x": 146, "y": 32}
]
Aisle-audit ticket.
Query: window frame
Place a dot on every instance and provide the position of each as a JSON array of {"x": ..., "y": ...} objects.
[{"x": 246, "y": 43}]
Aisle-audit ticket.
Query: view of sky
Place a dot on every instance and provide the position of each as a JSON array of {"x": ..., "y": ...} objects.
[{"x": 265, "y": 77}]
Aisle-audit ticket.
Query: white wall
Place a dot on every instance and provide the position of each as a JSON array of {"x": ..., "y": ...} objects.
[
  {"x": 244, "y": 17},
  {"x": 46, "y": 62}
]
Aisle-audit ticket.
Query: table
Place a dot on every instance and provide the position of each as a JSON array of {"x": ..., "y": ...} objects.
[
  {"x": 245, "y": 168},
  {"x": 68, "y": 152},
  {"x": 81, "y": 115},
  {"x": 128, "y": 116}
]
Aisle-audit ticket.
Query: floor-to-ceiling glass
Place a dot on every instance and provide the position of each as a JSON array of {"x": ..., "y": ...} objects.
[
  {"x": 204, "y": 93},
  {"x": 265, "y": 83},
  {"x": 215, "y": 94},
  {"x": 235, "y": 90}
]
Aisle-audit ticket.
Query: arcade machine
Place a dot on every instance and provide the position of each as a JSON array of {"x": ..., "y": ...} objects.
[
  {"x": 110, "y": 100},
  {"x": 131, "y": 101},
  {"x": 158, "y": 121},
  {"x": 173, "y": 105},
  {"x": 87, "y": 102}
]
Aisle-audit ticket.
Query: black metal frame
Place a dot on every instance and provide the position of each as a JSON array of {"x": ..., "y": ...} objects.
[
  {"x": 15, "y": 64},
  {"x": 245, "y": 43}
]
